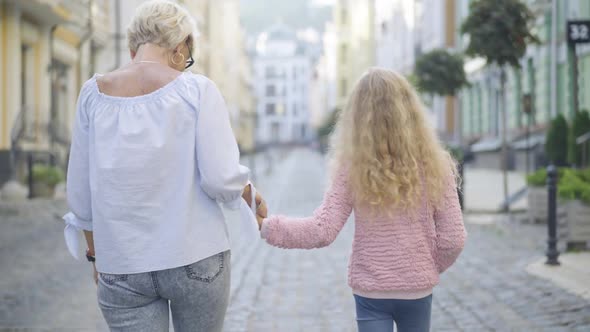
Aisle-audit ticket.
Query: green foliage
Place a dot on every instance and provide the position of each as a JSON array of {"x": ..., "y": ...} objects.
[
  {"x": 556, "y": 141},
  {"x": 572, "y": 185},
  {"x": 48, "y": 175},
  {"x": 456, "y": 153},
  {"x": 539, "y": 177},
  {"x": 580, "y": 126},
  {"x": 499, "y": 30},
  {"x": 326, "y": 129},
  {"x": 440, "y": 72}
]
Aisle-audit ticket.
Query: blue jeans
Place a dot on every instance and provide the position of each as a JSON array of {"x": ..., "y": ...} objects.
[
  {"x": 197, "y": 295},
  {"x": 378, "y": 315}
]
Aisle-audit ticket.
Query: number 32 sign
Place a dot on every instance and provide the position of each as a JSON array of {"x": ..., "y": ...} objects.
[{"x": 578, "y": 32}]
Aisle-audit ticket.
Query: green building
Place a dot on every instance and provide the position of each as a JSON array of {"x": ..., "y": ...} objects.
[{"x": 481, "y": 121}]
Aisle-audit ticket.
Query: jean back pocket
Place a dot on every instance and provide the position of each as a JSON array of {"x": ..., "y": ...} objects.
[{"x": 206, "y": 270}]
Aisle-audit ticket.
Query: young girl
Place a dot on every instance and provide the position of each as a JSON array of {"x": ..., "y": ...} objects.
[{"x": 389, "y": 167}]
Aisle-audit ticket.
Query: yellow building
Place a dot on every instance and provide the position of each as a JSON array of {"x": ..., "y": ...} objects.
[
  {"x": 48, "y": 49},
  {"x": 221, "y": 55},
  {"x": 355, "y": 31}
]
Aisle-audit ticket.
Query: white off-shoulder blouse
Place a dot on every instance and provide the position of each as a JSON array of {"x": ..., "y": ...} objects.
[{"x": 146, "y": 174}]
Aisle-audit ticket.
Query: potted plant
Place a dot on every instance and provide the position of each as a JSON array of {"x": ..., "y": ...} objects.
[
  {"x": 45, "y": 178},
  {"x": 574, "y": 193}
]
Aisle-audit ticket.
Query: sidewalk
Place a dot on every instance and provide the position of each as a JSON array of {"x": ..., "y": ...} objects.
[
  {"x": 572, "y": 275},
  {"x": 484, "y": 190}
]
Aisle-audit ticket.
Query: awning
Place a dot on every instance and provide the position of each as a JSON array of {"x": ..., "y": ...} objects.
[
  {"x": 526, "y": 144},
  {"x": 488, "y": 144}
]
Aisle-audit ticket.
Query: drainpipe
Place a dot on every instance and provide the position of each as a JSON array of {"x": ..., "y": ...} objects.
[
  {"x": 553, "y": 58},
  {"x": 52, "y": 106}
]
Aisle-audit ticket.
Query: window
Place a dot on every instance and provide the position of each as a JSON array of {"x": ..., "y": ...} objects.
[
  {"x": 295, "y": 109},
  {"x": 270, "y": 109},
  {"x": 294, "y": 73},
  {"x": 271, "y": 91},
  {"x": 270, "y": 72}
]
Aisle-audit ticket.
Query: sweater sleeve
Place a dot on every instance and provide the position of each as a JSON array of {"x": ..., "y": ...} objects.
[
  {"x": 317, "y": 231},
  {"x": 450, "y": 230}
]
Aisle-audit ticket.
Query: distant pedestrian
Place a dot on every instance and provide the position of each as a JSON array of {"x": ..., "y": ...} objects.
[
  {"x": 152, "y": 155},
  {"x": 390, "y": 169}
]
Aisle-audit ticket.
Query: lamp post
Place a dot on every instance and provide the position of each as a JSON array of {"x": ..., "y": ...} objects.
[
  {"x": 527, "y": 105},
  {"x": 552, "y": 252}
]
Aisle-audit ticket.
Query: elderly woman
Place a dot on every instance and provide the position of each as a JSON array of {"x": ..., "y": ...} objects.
[{"x": 152, "y": 156}]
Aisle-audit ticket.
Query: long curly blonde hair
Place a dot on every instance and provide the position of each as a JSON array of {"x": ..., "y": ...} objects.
[{"x": 393, "y": 156}]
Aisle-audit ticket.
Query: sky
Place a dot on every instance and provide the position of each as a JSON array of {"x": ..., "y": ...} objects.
[
  {"x": 257, "y": 15},
  {"x": 322, "y": 3}
]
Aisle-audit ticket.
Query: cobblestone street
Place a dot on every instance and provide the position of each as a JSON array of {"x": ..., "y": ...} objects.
[{"x": 42, "y": 287}]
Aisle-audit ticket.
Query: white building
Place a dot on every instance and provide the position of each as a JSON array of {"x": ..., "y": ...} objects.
[
  {"x": 323, "y": 94},
  {"x": 405, "y": 30},
  {"x": 396, "y": 34},
  {"x": 282, "y": 76}
]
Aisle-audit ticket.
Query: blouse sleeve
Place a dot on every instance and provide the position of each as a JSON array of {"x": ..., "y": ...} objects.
[
  {"x": 218, "y": 157},
  {"x": 78, "y": 177}
]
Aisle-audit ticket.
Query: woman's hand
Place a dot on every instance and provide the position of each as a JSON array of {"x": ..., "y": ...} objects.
[
  {"x": 261, "y": 208},
  {"x": 247, "y": 194}
]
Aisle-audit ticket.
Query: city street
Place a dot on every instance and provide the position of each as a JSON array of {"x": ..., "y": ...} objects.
[{"x": 43, "y": 288}]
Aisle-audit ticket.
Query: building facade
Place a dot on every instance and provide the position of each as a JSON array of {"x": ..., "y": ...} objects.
[
  {"x": 545, "y": 74},
  {"x": 406, "y": 29},
  {"x": 48, "y": 49},
  {"x": 283, "y": 71},
  {"x": 323, "y": 94},
  {"x": 355, "y": 31}
]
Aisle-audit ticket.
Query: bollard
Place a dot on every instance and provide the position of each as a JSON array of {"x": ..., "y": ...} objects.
[{"x": 552, "y": 252}]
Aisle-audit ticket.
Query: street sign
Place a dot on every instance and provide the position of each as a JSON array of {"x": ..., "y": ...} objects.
[{"x": 578, "y": 32}]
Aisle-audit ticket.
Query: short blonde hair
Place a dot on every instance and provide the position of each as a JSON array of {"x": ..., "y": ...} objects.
[{"x": 160, "y": 22}]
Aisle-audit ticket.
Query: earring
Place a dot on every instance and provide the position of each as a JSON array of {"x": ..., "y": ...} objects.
[{"x": 179, "y": 62}]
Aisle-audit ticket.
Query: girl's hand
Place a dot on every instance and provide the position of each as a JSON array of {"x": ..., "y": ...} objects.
[{"x": 261, "y": 210}]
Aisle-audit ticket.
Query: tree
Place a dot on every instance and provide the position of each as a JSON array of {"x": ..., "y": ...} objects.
[
  {"x": 556, "y": 140},
  {"x": 440, "y": 72},
  {"x": 499, "y": 31},
  {"x": 327, "y": 128}
]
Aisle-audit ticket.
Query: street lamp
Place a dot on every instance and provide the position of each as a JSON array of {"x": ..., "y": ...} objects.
[{"x": 527, "y": 108}]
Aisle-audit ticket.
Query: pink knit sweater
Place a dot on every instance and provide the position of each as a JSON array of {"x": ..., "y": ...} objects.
[{"x": 399, "y": 255}]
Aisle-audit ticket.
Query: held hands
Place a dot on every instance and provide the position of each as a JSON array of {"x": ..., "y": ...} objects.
[{"x": 261, "y": 208}]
